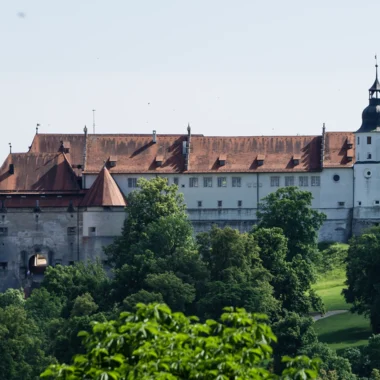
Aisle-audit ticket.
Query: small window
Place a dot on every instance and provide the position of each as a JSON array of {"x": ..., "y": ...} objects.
[
  {"x": 3, "y": 265},
  {"x": 336, "y": 178},
  {"x": 193, "y": 182},
  {"x": 275, "y": 181},
  {"x": 315, "y": 180},
  {"x": 71, "y": 262},
  {"x": 369, "y": 156},
  {"x": 289, "y": 181},
  {"x": 71, "y": 230},
  {"x": 91, "y": 231},
  {"x": 199, "y": 203},
  {"x": 207, "y": 182},
  {"x": 236, "y": 181},
  {"x": 183, "y": 185},
  {"x": 240, "y": 203},
  {"x": 369, "y": 140},
  {"x": 132, "y": 182},
  {"x": 303, "y": 181},
  {"x": 3, "y": 231},
  {"x": 358, "y": 140},
  {"x": 359, "y": 203},
  {"x": 341, "y": 204},
  {"x": 377, "y": 202},
  {"x": 176, "y": 181},
  {"x": 220, "y": 203},
  {"x": 222, "y": 181}
]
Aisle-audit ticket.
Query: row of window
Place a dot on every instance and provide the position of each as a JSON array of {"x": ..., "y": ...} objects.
[
  {"x": 303, "y": 181},
  {"x": 220, "y": 203}
]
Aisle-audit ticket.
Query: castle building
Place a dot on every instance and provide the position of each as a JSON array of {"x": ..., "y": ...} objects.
[{"x": 65, "y": 199}]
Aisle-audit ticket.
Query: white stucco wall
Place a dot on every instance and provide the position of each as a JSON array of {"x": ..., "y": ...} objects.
[{"x": 106, "y": 223}]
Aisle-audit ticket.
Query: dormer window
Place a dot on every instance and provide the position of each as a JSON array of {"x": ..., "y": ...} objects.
[
  {"x": 350, "y": 142},
  {"x": 112, "y": 161},
  {"x": 260, "y": 159},
  {"x": 159, "y": 160},
  {"x": 222, "y": 159},
  {"x": 350, "y": 154},
  {"x": 66, "y": 147},
  {"x": 296, "y": 159}
]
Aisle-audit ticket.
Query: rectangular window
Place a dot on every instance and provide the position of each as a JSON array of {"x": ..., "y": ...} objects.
[
  {"x": 369, "y": 156},
  {"x": 3, "y": 265},
  {"x": 176, "y": 181},
  {"x": 193, "y": 182},
  {"x": 289, "y": 181},
  {"x": 275, "y": 181},
  {"x": 91, "y": 231},
  {"x": 207, "y": 182},
  {"x": 236, "y": 181},
  {"x": 341, "y": 204},
  {"x": 369, "y": 140},
  {"x": 240, "y": 203},
  {"x": 303, "y": 181},
  {"x": 358, "y": 140},
  {"x": 222, "y": 181},
  {"x": 220, "y": 203},
  {"x": 132, "y": 182},
  {"x": 3, "y": 231},
  {"x": 71, "y": 230},
  {"x": 315, "y": 180},
  {"x": 199, "y": 203}
]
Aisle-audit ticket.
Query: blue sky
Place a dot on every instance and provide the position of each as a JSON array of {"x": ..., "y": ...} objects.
[{"x": 227, "y": 67}]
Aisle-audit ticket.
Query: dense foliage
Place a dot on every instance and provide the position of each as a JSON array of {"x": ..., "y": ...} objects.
[
  {"x": 363, "y": 281},
  {"x": 155, "y": 343}
]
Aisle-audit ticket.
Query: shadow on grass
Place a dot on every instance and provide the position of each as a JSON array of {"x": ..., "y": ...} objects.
[{"x": 350, "y": 335}]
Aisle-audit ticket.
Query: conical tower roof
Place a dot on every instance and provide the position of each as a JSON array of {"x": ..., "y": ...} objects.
[{"x": 104, "y": 192}]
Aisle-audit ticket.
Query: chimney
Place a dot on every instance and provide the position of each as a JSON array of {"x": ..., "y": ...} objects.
[
  {"x": 323, "y": 145},
  {"x": 188, "y": 147},
  {"x": 84, "y": 157},
  {"x": 154, "y": 137}
]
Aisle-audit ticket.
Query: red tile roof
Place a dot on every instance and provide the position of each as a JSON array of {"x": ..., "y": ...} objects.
[
  {"x": 104, "y": 192},
  {"x": 49, "y": 172},
  {"x": 51, "y": 143},
  {"x": 337, "y": 150},
  {"x": 137, "y": 153}
]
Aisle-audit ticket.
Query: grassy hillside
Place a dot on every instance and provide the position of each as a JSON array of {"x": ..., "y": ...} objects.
[{"x": 342, "y": 330}]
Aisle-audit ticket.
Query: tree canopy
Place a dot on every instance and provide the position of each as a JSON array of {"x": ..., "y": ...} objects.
[{"x": 154, "y": 343}]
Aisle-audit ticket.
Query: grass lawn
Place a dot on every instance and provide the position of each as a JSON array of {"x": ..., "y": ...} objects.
[
  {"x": 329, "y": 287},
  {"x": 343, "y": 330}
]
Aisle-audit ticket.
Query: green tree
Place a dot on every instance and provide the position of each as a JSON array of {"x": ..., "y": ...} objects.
[
  {"x": 332, "y": 366},
  {"x": 290, "y": 209},
  {"x": 155, "y": 343},
  {"x": 291, "y": 280},
  {"x": 83, "y": 305},
  {"x": 12, "y": 297},
  {"x": 237, "y": 276},
  {"x": 20, "y": 345},
  {"x": 69, "y": 282},
  {"x": 363, "y": 282},
  {"x": 293, "y": 332},
  {"x": 154, "y": 199}
]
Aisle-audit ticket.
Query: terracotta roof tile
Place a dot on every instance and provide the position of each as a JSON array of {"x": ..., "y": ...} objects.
[
  {"x": 51, "y": 143},
  {"x": 38, "y": 172},
  {"x": 104, "y": 192},
  {"x": 336, "y": 149},
  {"x": 137, "y": 153}
]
